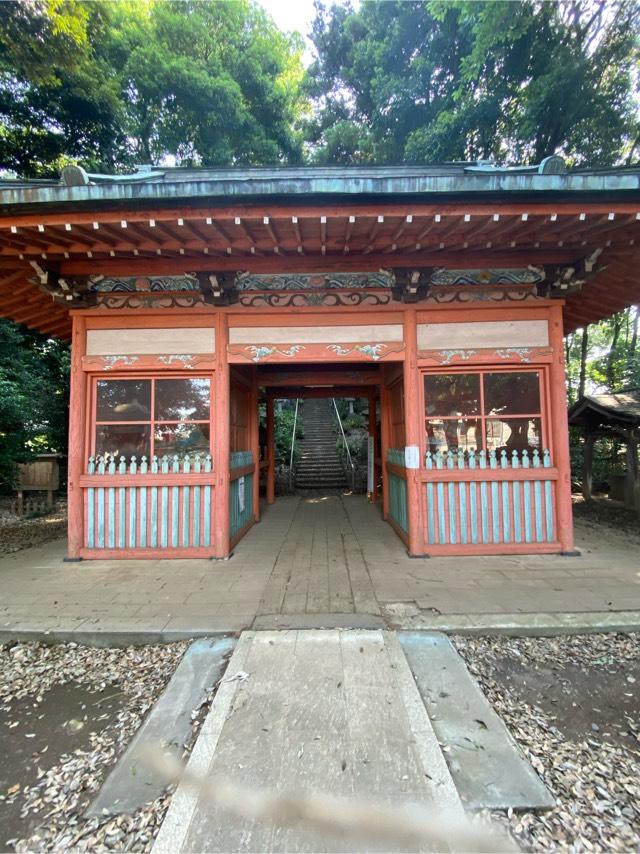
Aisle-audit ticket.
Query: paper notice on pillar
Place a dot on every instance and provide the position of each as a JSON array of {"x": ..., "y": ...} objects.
[
  {"x": 241, "y": 494},
  {"x": 370, "y": 456}
]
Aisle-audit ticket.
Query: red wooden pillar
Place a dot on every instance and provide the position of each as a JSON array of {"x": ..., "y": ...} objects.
[
  {"x": 271, "y": 453},
  {"x": 373, "y": 432},
  {"x": 560, "y": 429},
  {"x": 77, "y": 419},
  {"x": 413, "y": 434},
  {"x": 254, "y": 441},
  {"x": 385, "y": 425},
  {"x": 222, "y": 436}
]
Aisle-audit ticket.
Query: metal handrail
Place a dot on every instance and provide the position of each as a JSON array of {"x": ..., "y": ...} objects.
[
  {"x": 346, "y": 445},
  {"x": 293, "y": 442}
]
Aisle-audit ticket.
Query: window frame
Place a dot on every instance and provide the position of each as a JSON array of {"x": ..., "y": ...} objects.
[
  {"x": 151, "y": 376},
  {"x": 542, "y": 370}
]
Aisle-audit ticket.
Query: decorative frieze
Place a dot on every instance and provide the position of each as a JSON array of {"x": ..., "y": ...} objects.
[{"x": 314, "y": 281}]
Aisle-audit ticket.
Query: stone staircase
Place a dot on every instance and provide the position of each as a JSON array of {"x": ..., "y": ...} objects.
[{"x": 319, "y": 467}]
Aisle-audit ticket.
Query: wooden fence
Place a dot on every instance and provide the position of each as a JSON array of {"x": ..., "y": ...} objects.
[
  {"x": 162, "y": 504},
  {"x": 397, "y": 477},
  {"x": 481, "y": 501}
]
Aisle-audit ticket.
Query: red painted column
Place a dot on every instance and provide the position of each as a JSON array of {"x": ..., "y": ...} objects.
[
  {"x": 254, "y": 443},
  {"x": 384, "y": 440},
  {"x": 271, "y": 453},
  {"x": 373, "y": 432},
  {"x": 560, "y": 429},
  {"x": 413, "y": 434},
  {"x": 77, "y": 420},
  {"x": 222, "y": 435}
]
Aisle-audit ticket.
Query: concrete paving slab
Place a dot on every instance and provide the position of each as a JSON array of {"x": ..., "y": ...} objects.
[
  {"x": 487, "y": 765},
  {"x": 318, "y": 621},
  {"x": 523, "y": 625},
  {"x": 333, "y": 711},
  {"x": 131, "y": 784}
]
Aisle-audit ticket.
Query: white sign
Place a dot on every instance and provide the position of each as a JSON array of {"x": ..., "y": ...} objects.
[{"x": 241, "y": 494}]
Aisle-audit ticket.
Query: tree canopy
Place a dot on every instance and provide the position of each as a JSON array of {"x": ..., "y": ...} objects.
[
  {"x": 217, "y": 83},
  {"x": 424, "y": 82},
  {"x": 110, "y": 84}
]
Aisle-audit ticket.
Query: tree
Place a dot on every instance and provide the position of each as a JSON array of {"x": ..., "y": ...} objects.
[
  {"x": 111, "y": 84},
  {"x": 59, "y": 101},
  {"x": 209, "y": 83},
  {"x": 34, "y": 380},
  {"x": 514, "y": 81}
]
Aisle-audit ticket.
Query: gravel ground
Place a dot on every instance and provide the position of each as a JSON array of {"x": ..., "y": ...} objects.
[
  {"x": 57, "y": 799},
  {"x": 573, "y": 705}
]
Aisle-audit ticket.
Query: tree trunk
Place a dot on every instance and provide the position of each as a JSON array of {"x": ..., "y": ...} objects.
[
  {"x": 584, "y": 347},
  {"x": 611, "y": 356},
  {"x": 587, "y": 467}
]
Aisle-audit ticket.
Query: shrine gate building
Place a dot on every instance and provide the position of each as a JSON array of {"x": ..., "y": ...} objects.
[{"x": 441, "y": 294}]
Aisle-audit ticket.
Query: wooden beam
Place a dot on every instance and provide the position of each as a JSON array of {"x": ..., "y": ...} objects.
[
  {"x": 305, "y": 211},
  {"x": 316, "y": 263},
  {"x": 305, "y": 378},
  {"x": 293, "y": 392}
]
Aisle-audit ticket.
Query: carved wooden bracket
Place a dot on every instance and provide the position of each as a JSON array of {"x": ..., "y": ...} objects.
[
  {"x": 560, "y": 282},
  {"x": 218, "y": 288},
  {"x": 411, "y": 285},
  {"x": 70, "y": 292}
]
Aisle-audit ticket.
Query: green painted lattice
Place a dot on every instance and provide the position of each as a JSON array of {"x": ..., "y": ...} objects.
[{"x": 397, "y": 490}]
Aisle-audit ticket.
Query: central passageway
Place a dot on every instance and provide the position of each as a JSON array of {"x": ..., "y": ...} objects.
[
  {"x": 320, "y": 567},
  {"x": 365, "y": 716}
]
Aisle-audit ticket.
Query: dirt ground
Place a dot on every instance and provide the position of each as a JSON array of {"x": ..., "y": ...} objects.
[
  {"x": 67, "y": 713},
  {"x": 602, "y": 513},
  {"x": 35, "y": 732},
  {"x": 573, "y": 704},
  {"x": 18, "y": 533}
]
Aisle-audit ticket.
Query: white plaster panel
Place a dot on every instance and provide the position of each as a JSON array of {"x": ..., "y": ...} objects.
[
  {"x": 483, "y": 333},
  {"x": 150, "y": 342},
  {"x": 315, "y": 334}
]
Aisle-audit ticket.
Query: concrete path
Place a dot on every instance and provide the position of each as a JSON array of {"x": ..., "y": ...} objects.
[
  {"x": 321, "y": 711},
  {"x": 313, "y": 562},
  {"x": 131, "y": 783}
]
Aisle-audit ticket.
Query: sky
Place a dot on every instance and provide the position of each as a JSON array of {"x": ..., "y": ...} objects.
[{"x": 291, "y": 15}]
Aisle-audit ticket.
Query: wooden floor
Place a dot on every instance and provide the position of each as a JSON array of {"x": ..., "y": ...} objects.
[{"x": 320, "y": 567}]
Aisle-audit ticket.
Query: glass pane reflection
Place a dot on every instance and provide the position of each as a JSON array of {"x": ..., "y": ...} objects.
[
  {"x": 515, "y": 392},
  {"x": 123, "y": 400},
  {"x": 181, "y": 439},
  {"x": 453, "y": 434},
  {"x": 182, "y": 400},
  {"x": 452, "y": 394},
  {"x": 513, "y": 434},
  {"x": 123, "y": 440}
]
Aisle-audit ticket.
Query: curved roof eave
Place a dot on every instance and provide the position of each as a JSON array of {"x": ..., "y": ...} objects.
[{"x": 293, "y": 188}]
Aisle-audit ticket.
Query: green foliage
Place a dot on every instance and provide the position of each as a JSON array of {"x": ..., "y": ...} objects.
[
  {"x": 283, "y": 424},
  {"x": 110, "y": 84},
  {"x": 435, "y": 81},
  {"x": 611, "y": 358},
  {"x": 34, "y": 376}
]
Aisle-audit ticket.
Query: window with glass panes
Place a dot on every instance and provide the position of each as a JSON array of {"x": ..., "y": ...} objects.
[
  {"x": 484, "y": 409},
  {"x": 147, "y": 417}
]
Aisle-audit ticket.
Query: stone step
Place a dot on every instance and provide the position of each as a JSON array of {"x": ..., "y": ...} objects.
[
  {"x": 131, "y": 783},
  {"x": 486, "y": 764}
]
